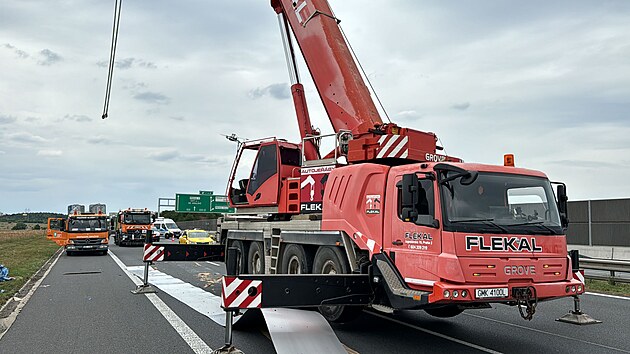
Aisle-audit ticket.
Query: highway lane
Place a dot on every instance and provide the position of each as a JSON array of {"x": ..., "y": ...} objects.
[
  {"x": 499, "y": 329},
  {"x": 118, "y": 330}
]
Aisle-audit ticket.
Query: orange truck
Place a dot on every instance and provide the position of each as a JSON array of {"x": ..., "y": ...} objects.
[
  {"x": 132, "y": 225},
  {"x": 80, "y": 232}
]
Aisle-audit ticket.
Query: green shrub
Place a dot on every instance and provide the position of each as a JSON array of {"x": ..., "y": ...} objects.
[{"x": 19, "y": 226}]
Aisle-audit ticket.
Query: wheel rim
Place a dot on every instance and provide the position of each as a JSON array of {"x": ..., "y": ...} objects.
[
  {"x": 295, "y": 266},
  {"x": 329, "y": 267},
  {"x": 256, "y": 263}
]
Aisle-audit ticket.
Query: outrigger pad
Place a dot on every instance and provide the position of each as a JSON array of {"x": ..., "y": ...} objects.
[
  {"x": 578, "y": 318},
  {"x": 227, "y": 350},
  {"x": 141, "y": 289}
]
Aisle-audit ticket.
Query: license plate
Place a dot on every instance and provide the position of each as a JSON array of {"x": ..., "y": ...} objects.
[
  {"x": 491, "y": 293},
  {"x": 88, "y": 246}
]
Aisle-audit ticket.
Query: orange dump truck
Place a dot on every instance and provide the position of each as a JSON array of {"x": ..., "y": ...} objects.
[{"x": 80, "y": 233}]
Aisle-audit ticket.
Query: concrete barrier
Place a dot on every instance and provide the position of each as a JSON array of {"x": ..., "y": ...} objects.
[{"x": 604, "y": 252}]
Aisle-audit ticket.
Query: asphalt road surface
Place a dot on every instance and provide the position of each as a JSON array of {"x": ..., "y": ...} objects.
[{"x": 84, "y": 304}]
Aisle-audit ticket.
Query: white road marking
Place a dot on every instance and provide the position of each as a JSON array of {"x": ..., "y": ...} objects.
[
  {"x": 214, "y": 264},
  {"x": 188, "y": 335},
  {"x": 7, "y": 322},
  {"x": 196, "y": 298},
  {"x": 548, "y": 333},
  {"x": 611, "y": 296},
  {"x": 444, "y": 336}
]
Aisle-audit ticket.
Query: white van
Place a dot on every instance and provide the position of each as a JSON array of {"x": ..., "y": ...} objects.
[{"x": 167, "y": 227}]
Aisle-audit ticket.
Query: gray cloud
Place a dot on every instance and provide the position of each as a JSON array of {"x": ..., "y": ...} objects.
[
  {"x": 4, "y": 119},
  {"x": 277, "y": 91},
  {"x": 25, "y": 137},
  {"x": 77, "y": 118},
  {"x": 98, "y": 140},
  {"x": 461, "y": 106},
  {"x": 50, "y": 153},
  {"x": 128, "y": 63},
  {"x": 178, "y": 118},
  {"x": 152, "y": 97},
  {"x": 20, "y": 53},
  {"x": 125, "y": 63},
  {"x": 50, "y": 57},
  {"x": 163, "y": 155}
]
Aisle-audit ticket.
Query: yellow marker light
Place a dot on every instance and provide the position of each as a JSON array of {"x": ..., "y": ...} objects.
[
  {"x": 476, "y": 274},
  {"x": 508, "y": 160},
  {"x": 545, "y": 265},
  {"x": 490, "y": 266},
  {"x": 395, "y": 130}
]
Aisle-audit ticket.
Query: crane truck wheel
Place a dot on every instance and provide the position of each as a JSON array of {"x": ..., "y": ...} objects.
[
  {"x": 444, "y": 311},
  {"x": 242, "y": 264},
  {"x": 256, "y": 258},
  {"x": 331, "y": 260},
  {"x": 295, "y": 260}
]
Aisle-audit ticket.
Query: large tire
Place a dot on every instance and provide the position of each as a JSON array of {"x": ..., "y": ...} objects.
[
  {"x": 242, "y": 266},
  {"x": 256, "y": 258},
  {"x": 295, "y": 260},
  {"x": 331, "y": 260},
  {"x": 444, "y": 311}
]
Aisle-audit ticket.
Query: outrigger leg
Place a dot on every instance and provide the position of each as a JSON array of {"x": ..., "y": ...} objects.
[
  {"x": 145, "y": 288},
  {"x": 577, "y": 316},
  {"x": 232, "y": 259}
]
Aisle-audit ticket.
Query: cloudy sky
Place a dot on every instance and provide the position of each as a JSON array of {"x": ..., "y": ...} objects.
[{"x": 546, "y": 80}]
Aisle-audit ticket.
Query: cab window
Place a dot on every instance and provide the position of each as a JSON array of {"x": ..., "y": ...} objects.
[{"x": 426, "y": 200}]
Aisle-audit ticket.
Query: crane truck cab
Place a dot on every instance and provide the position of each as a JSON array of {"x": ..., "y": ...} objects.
[{"x": 80, "y": 232}]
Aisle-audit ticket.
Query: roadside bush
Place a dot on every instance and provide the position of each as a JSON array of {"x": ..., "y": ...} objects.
[
  {"x": 19, "y": 226},
  {"x": 37, "y": 227}
]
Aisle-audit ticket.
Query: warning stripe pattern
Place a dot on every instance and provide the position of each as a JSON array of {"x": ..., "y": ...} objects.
[
  {"x": 236, "y": 293},
  {"x": 153, "y": 253},
  {"x": 393, "y": 146},
  {"x": 579, "y": 275},
  {"x": 372, "y": 245}
]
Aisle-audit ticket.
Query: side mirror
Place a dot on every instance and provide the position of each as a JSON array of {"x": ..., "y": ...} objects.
[
  {"x": 409, "y": 198},
  {"x": 427, "y": 220},
  {"x": 563, "y": 205}
]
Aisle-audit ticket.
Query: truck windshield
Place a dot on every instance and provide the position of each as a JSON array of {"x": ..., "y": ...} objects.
[
  {"x": 87, "y": 224},
  {"x": 500, "y": 203},
  {"x": 137, "y": 219}
]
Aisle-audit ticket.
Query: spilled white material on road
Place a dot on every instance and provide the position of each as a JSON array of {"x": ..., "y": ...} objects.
[
  {"x": 299, "y": 331},
  {"x": 292, "y": 331},
  {"x": 188, "y": 335},
  {"x": 196, "y": 298}
]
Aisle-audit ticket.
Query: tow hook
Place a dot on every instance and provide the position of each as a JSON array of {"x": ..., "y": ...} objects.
[{"x": 526, "y": 298}]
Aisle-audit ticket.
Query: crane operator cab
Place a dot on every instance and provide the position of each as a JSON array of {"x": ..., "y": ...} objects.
[{"x": 260, "y": 171}]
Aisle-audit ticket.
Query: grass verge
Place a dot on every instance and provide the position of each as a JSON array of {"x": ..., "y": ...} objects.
[
  {"x": 601, "y": 286},
  {"x": 23, "y": 252}
]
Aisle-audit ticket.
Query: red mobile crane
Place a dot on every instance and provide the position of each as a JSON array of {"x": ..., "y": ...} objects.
[{"x": 432, "y": 232}]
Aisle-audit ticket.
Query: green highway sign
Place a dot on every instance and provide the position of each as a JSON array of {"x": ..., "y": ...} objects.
[
  {"x": 193, "y": 203},
  {"x": 204, "y": 202}
]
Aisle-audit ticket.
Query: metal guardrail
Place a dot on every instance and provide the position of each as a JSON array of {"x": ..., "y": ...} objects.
[{"x": 610, "y": 265}]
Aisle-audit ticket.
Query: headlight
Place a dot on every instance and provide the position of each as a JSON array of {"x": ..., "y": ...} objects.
[{"x": 144, "y": 231}]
